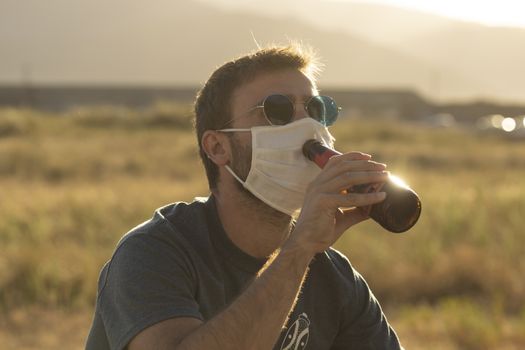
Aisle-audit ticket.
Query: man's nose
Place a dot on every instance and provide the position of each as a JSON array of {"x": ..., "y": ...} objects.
[{"x": 300, "y": 111}]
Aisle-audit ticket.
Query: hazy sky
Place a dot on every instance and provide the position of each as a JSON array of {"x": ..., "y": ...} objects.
[{"x": 489, "y": 12}]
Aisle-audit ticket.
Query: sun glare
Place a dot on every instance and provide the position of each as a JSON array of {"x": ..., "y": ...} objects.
[
  {"x": 495, "y": 13},
  {"x": 508, "y": 124},
  {"x": 398, "y": 181}
]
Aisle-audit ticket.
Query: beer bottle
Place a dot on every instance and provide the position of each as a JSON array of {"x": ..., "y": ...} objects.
[{"x": 397, "y": 213}]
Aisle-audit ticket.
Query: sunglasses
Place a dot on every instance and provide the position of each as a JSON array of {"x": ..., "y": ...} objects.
[{"x": 279, "y": 109}]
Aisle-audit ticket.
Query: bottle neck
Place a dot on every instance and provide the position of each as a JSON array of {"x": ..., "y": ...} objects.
[{"x": 318, "y": 153}]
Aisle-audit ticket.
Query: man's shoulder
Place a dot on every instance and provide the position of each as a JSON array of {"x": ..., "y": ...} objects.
[
  {"x": 338, "y": 259},
  {"x": 334, "y": 263},
  {"x": 160, "y": 241},
  {"x": 154, "y": 263},
  {"x": 169, "y": 223}
]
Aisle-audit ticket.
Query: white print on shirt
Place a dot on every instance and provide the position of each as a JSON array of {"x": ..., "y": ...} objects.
[{"x": 297, "y": 336}]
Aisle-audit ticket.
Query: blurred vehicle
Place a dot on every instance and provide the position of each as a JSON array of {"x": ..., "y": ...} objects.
[
  {"x": 510, "y": 127},
  {"x": 440, "y": 120}
]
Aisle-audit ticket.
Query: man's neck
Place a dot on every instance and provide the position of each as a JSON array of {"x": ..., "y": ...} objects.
[{"x": 251, "y": 225}]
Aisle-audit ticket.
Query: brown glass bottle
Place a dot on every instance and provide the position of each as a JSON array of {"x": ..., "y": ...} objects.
[{"x": 397, "y": 213}]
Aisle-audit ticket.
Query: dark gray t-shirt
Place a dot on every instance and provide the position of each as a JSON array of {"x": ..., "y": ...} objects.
[{"x": 181, "y": 263}]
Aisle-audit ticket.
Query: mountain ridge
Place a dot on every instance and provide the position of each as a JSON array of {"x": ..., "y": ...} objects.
[{"x": 167, "y": 43}]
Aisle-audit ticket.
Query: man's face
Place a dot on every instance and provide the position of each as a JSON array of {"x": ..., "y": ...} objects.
[{"x": 292, "y": 83}]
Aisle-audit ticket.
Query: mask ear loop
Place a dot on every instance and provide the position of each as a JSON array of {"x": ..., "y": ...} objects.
[
  {"x": 234, "y": 175},
  {"x": 227, "y": 166}
]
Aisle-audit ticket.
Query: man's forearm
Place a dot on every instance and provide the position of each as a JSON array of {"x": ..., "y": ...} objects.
[{"x": 255, "y": 319}]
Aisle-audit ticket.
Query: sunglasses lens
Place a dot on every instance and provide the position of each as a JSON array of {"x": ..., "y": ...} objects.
[
  {"x": 278, "y": 109},
  {"x": 323, "y": 109}
]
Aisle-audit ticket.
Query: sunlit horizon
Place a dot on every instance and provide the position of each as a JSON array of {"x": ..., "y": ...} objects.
[{"x": 507, "y": 13}]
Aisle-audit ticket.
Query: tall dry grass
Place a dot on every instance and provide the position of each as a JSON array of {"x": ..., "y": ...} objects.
[{"x": 71, "y": 184}]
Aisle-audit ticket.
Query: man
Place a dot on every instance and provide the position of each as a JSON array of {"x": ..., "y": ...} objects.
[{"x": 240, "y": 270}]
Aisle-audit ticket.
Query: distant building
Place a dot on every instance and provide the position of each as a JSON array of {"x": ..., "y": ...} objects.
[{"x": 356, "y": 103}]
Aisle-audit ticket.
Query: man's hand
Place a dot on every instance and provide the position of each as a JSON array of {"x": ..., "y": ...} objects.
[{"x": 328, "y": 208}]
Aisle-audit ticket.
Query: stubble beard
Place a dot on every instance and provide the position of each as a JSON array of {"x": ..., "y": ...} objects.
[{"x": 241, "y": 164}]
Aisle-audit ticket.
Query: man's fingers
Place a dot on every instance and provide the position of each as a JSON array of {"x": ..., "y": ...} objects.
[
  {"x": 346, "y": 166},
  {"x": 346, "y": 157},
  {"x": 349, "y": 179},
  {"x": 348, "y": 200},
  {"x": 346, "y": 218},
  {"x": 360, "y": 199}
]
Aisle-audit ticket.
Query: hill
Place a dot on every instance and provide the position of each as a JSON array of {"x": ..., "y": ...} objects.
[{"x": 180, "y": 43}]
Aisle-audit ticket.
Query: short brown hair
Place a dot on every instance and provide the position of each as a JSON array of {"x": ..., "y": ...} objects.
[{"x": 213, "y": 101}]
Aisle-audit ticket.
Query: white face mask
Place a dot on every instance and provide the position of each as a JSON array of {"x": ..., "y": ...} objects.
[{"x": 280, "y": 173}]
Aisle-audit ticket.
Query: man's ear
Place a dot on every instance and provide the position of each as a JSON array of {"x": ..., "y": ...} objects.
[{"x": 216, "y": 145}]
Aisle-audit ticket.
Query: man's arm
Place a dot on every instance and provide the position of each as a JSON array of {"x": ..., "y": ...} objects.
[{"x": 253, "y": 321}]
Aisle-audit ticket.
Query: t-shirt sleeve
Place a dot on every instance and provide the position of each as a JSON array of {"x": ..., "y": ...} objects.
[
  {"x": 146, "y": 281},
  {"x": 363, "y": 324}
]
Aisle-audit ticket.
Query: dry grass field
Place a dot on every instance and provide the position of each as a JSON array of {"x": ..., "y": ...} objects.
[{"x": 71, "y": 184}]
